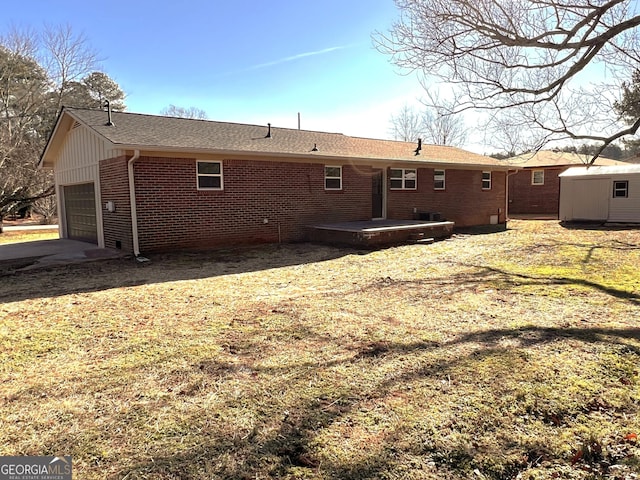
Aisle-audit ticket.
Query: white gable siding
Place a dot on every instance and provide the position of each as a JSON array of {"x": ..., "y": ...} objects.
[
  {"x": 78, "y": 162},
  {"x": 79, "y": 157},
  {"x": 626, "y": 209}
]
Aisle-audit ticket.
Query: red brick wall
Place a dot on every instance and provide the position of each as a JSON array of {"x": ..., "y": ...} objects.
[
  {"x": 114, "y": 187},
  {"x": 173, "y": 213},
  {"x": 527, "y": 198},
  {"x": 463, "y": 200}
]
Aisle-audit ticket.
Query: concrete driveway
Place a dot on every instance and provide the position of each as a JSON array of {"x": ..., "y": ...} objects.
[{"x": 51, "y": 252}]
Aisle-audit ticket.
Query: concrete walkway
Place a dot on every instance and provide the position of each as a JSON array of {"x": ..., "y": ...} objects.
[{"x": 57, "y": 251}]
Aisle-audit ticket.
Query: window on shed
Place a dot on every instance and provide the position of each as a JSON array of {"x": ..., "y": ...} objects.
[
  {"x": 621, "y": 189},
  {"x": 333, "y": 178},
  {"x": 486, "y": 180},
  {"x": 537, "y": 177},
  {"x": 438, "y": 179},
  {"x": 209, "y": 175},
  {"x": 403, "y": 178}
]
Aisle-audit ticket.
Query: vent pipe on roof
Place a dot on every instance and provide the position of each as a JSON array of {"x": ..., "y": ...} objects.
[
  {"x": 269, "y": 131},
  {"x": 298, "y": 120},
  {"x": 107, "y": 104},
  {"x": 419, "y": 146},
  {"x": 315, "y": 147}
]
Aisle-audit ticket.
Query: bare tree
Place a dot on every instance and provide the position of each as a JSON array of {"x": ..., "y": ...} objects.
[
  {"x": 508, "y": 132},
  {"x": 23, "y": 99},
  {"x": 182, "y": 112},
  {"x": 47, "y": 208},
  {"x": 407, "y": 125},
  {"x": 433, "y": 123},
  {"x": 38, "y": 73},
  {"x": 67, "y": 57},
  {"x": 535, "y": 59},
  {"x": 441, "y": 124}
]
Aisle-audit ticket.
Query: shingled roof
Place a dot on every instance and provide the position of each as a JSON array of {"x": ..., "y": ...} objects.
[
  {"x": 551, "y": 158},
  {"x": 157, "y": 133}
]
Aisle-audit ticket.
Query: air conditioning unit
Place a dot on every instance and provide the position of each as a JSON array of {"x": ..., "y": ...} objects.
[{"x": 431, "y": 216}]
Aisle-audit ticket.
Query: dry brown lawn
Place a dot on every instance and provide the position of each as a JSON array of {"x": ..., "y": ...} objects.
[
  {"x": 512, "y": 355},
  {"x": 28, "y": 235}
]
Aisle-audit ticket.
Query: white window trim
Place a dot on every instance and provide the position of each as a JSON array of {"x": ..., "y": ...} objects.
[
  {"x": 404, "y": 179},
  {"x": 533, "y": 176},
  {"x": 326, "y": 177},
  {"x": 198, "y": 175},
  {"x": 483, "y": 180},
  {"x": 444, "y": 179}
]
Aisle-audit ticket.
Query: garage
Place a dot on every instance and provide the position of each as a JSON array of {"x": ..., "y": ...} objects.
[{"x": 80, "y": 212}]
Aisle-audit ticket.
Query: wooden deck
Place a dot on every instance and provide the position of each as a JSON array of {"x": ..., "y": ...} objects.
[{"x": 379, "y": 233}]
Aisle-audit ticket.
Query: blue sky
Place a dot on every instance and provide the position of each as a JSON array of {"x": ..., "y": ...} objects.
[{"x": 243, "y": 60}]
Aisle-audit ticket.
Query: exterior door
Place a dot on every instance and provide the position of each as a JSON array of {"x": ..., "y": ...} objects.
[
  {"x": 591, "y": 199},
  {"x": 377, "y": 193},
  {"x": 80, "y": 212}
]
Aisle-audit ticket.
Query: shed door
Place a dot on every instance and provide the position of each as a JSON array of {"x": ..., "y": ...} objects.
[
  {"x": 591, "y": 199},
  {"x": 80, "y": 212}
]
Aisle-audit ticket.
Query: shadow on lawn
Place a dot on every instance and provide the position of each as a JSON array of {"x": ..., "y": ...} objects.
[
  {"x": 60, "y": 280},
  {"x": 589, "y": 247},
  {"x": 488, "y": 275},
  {"x": 598, "y": 225},
  {"x": 516, "y": 279},
  {"x": 282, "y": 441}
]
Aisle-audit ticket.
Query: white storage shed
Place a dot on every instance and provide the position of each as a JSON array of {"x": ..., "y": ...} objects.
[{"x": 601, "y": 193}]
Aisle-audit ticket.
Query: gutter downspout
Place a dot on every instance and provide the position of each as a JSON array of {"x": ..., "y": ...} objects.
[
  {"x": 506, "y": 209},
  {"x": 132, "y": 196}
]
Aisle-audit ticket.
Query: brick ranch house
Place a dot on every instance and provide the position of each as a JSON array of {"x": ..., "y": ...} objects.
[
  {"x": 145, "y": 183},
  {"x": 535, "y": 188}
]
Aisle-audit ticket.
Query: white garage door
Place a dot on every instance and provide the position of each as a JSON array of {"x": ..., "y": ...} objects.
[{"x": 80, "y": 212}]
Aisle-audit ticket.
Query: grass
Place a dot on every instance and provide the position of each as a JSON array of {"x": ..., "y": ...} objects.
[
  {"x": 501, "y": 356},
  {"x": 28, "y": 235}
]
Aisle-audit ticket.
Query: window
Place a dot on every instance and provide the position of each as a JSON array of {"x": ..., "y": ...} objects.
[
  {"x": 333, "y": 178},
  {"x": 537, "y": 177},
  {"x": 486, "y": 180},
  {"x": 438, "y": 179},
  {"x": 209, "y": 175},
  {"x": 621, "y": 189},
  {"x": 403, "y": 178}
]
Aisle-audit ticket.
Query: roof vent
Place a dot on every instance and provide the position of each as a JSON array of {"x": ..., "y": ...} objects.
[
  {"x": 417, "y": 151},
  {"x": 268, "y": 135},
  {"x": 107, "y": 104},
  {"x": 315, "y": 147}
]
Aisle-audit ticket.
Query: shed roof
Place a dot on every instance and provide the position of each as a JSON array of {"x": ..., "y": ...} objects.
[
  {"x": 551, "y": 158},
  {"x": 605, "y": 170},
  {"x": 158, "y": 133}
]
